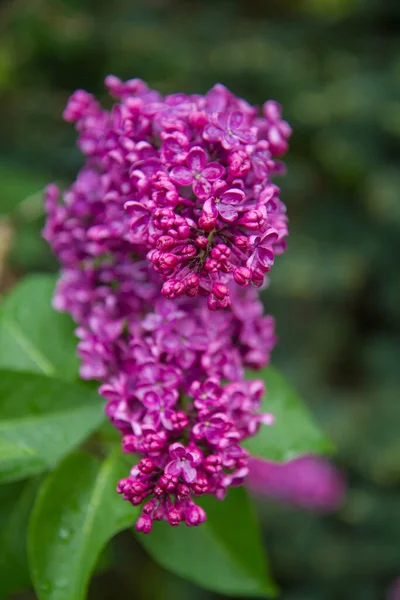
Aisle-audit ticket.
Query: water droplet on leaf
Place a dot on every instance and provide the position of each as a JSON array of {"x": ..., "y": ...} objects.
[{"x": 64, "y": 533}]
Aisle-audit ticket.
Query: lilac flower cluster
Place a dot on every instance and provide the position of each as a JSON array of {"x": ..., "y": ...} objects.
[{"x": 172, "y": 215}]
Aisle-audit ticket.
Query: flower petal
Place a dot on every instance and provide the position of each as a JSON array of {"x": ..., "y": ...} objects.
[
  {"x": 235, "y": 120},
  {"x": 181, "y": 176},
  {"x": 221, "y": 120},
  {"x": 173, "y": 468},
  {"x": 234, "y": 197},
  {"x": 213, "y": 171},
  {"x": 228, "y": 212},
  {"x": 246, "y": 136},
  {"x": 196, "y": 159},
  {"x": 209, "y": 208},
  {"x": 265, "y": 257},
  {"x": 269, "y": 238},
  {"x": 202, "y": 188},
  {"x": 212, "y": 133},
  {"x": 189, "y": 473},
  {"x": 229, "y": 141},
  {"x": 177, "y": 450}
]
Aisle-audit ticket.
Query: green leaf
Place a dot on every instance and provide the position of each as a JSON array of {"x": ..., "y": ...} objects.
[
  {"x": 33, "y": 336},
  {"x": 16, "y": 501},
  {"x": 294, "y": 432},
  {"x": 17, "y": 183},
  {"x": 77, "y": 511},
  {"x": 225, "y": 554},
  {"x": 41, "y": 420}
]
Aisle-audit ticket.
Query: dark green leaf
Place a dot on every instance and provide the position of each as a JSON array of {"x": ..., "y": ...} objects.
[
  {"x": 41, "y": 420},
  {"x": 294, "y": 432},
  {"x": 224, "y": 555},
  {"x": 77, "y": 511},
  {"x": 33, "y": 336},
  {"x": 16, "y": 501}
]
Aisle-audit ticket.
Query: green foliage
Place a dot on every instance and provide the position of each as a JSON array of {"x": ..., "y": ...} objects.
[
  {"x": 76, "y": 512},
  {"x": 16, "y": 501},
  {"x": 33, "y": 336},
  {"x": 225, "y": 554},
  {"x": 42, "y": 420},
  {"x": 294, "y": 432}
]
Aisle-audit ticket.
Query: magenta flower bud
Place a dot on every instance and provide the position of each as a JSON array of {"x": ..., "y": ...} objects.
[
  {"x": 149, "y": 507},
  {"x": 163, "y": 218},
  {"x": 183, "y": 491},
  {"x": 80, "y": 104},
  {"x": 174, "y": 517},
  {"x": 239, "y": 164},
  {"x": 220, "y": 290},
  {"x": 192, "y": 281},
  {"x": 159, "y": 491},
  {"x": 188, "y": 250},
  {"x": 167, "y": 482},
  {"x": 144, "y": 524},
  {"x": 253, "y": 220},
  {"x": 183, "y": 231},
  {"x": 129, "y": 443},
  {"x": 200, "y": 486},
  {"x": 201, "y": 241},
  {"x": 207, "y": 222},
  {"x": 135, "y": 500},
  {"x": 165, "y": 242},
  {"x": 241, "y": 241},
  {"x": 242, "y": 275},
  {"x": 168, "y": 261},
  {"x": 221, "y": 252},
  {"x": 194, "y": 515},
  {"x": 179, "y": 420},
  {"x": 212, "y": 463},
  {"x": 154, "y": 443},
  {"x": 124, "y": 485},
  {"x": 138, "y": 487},
  {"x": 146, "y": 466}
]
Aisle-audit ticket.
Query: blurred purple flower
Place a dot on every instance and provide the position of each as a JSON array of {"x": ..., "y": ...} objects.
[{"x": 307, "y": 482}]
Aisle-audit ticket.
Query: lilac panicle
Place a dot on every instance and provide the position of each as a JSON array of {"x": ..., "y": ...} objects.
[{"x": 173, "y": 214}]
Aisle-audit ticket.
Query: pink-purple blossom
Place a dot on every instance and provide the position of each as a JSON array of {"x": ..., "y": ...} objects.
[
  {"x": 173, "y": 214},
  {"x": 308, "y": 482}
]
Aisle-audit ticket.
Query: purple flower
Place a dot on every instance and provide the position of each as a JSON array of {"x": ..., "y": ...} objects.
[
  {"x": 160, "y": 408},
  {"x": 212, "y": 428},
  {"x": 153, "y": 241},
  {"x": 182, "y": 340},
  {"x": 309, "y": 482},
  {"x": 263, "y": 253},
  {"x": 278, "y": 130},
  {"x": 223, "y": 202},
  {"x": 198, "y": 173},
  {"x": 182, "y": 464},
  {"x": 230, "y": 129}
]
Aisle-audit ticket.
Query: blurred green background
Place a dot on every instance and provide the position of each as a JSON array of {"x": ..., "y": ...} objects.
[{"x": 335, "y": 67}]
